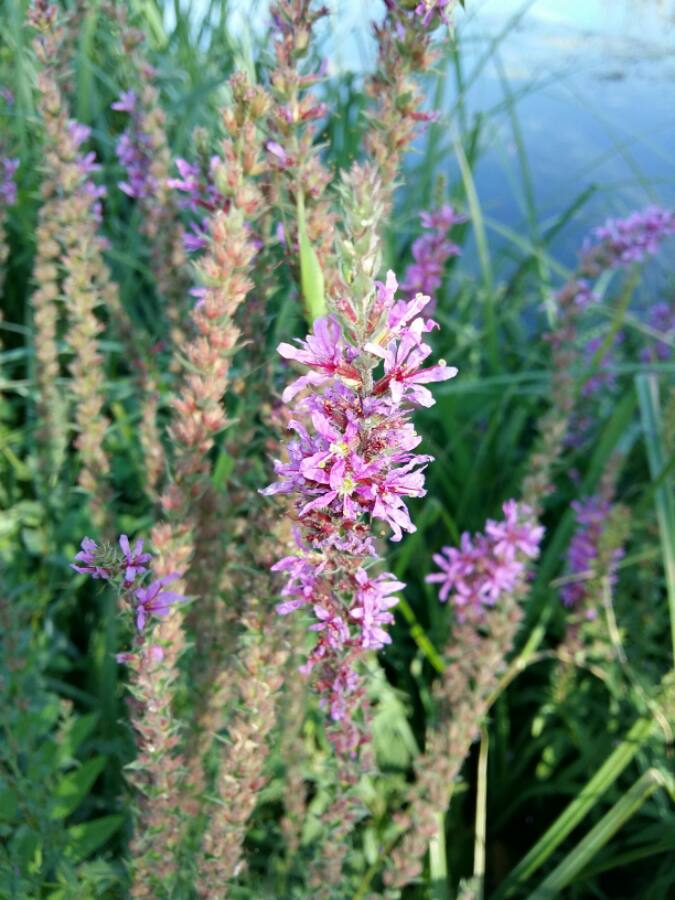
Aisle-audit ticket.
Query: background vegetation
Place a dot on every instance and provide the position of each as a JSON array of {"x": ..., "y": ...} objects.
[{"x": 576, "y": 753}]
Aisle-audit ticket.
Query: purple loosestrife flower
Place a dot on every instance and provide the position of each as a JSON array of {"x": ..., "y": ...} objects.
[
  {"x": 154, "y": 599},
  {"x": 620, "y": 242},
  {"x": 661, "y": 318},
  {"x": 134, "y": 560},
  {"x": 604, "y": 376},
  {"x": 350, "y": 462},
  {"x": 591, "y": 516},
  {"x": 199, "y": 195},
  {"x": 486, "y": 566},
  {"x": 134, "y": 150},
  {"x": 430, "y": 253},
  {"x": 428, "y": 9},
  {"x": 87, "y": 165},
  {"x": 125, "y": 568},
  {"x": 89, "y": 561},
  {"x": 8, "y": 169}
]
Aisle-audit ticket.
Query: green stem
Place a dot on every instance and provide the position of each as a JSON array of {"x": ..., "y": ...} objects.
[
  {"x": 438, "y": 865},
  {"x": 481, "y": 814}
]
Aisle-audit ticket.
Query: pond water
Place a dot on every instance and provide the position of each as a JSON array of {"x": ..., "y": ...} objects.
[{"x": 593, "y": 83}]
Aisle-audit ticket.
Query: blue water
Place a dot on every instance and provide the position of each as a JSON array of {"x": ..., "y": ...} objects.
[{"x": 599, "y": 108}]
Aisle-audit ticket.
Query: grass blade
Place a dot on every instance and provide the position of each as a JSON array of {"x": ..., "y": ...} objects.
[
  {"x": 606, "y": 775},
  {"x": 648, "y": 397},
  {"x": 597, "y": 837}
]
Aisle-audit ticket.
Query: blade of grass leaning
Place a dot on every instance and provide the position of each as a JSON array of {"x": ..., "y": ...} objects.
[
  {"x": 311, "y": 276},
  {"x": 597, "y": 837},
  {"x": 576, "y": 811},
  {"x": 543, "y": 271},
  {"x": 647, "y": 387},
  {"x": 483, "y": 253}
]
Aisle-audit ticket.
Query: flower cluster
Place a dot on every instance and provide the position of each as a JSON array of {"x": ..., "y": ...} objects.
[
  {"x": 8, "y": 167},
  {"x": 430, "y": 253},
  {"x": 605, "y": 376},
  {"x": 200, "y": 195},
  {"x": 431, "y": 10},
  {"x": 86, "y": 165},
  {"x": 125, "y": 567},
  {"x": 661, "y": 319},
  {"x": 487, "y": 566},
  {"x": 134, "y": 150},
  {"x": 621, "y": 242},
  {"x": 351, "y": 462},
  {"x": 592, "y": 515}
]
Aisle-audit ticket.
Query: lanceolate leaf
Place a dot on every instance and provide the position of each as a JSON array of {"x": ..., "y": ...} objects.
[
  {"x": 74, "y": 787},
  {"x": 311, "y": 276}
]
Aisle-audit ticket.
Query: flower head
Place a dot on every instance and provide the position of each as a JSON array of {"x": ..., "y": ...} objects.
[
  {"x": 153, "y": 599},
  {"x": 430, "y": 253},
  {"x": 487, "y": 566},
  {"x": 134, "y": 560},
  {"x": 8, "y": 169},
  {"x": 351, "y": 462},
  {"x": 621, "y": 242},
  {"x": 90, "y": 561}
]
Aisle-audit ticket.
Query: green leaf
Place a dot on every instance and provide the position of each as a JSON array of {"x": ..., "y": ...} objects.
[
  {"x": 8, "y": 803},
  {"x": 222, "y": 469},
  {"x": 73, "y": 787},
  {"x": 77, "y": 733},
  {"x": 84, "y": 839},
  {"x": 311, "y": 276}
]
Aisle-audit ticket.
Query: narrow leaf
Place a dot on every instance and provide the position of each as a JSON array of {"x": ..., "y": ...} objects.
[
  {"x": 73, "y": 787},
  {"x": 311, "y": 276}
]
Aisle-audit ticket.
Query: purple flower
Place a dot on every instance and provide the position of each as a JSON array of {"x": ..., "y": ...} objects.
[
  {"x": 189, "y": 182},
  {"x": 591, "y": 517},
  {"x": 325, "y": 352},
  {"x": 661, "y": 318},
  {"x": 403, "y": 374},
  {"x": 153, "y": 599},
  {"x": 373, "y": 601},
  {"x": 621, "y": 242},
  {"x": 8, "y": 169},
  {"x": 430, "y": 253},
  {"x": 278, "y": 153},
  {"x": 134, "y": 150},
  {"x": 350, "y": 462},
  {"x": 199, "y": 194},
  {"x": 134, "y": 560},
  {"x": 487, "y": 566},
  {"x": 516, "y": 533},
  {"x": 126, "y": 102},
  {"x": 427, "y": 9},
  {"x": 78, "y": 132},
  {"x": 604, "y": 376},
  {"x": 90, "y": 563}
]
